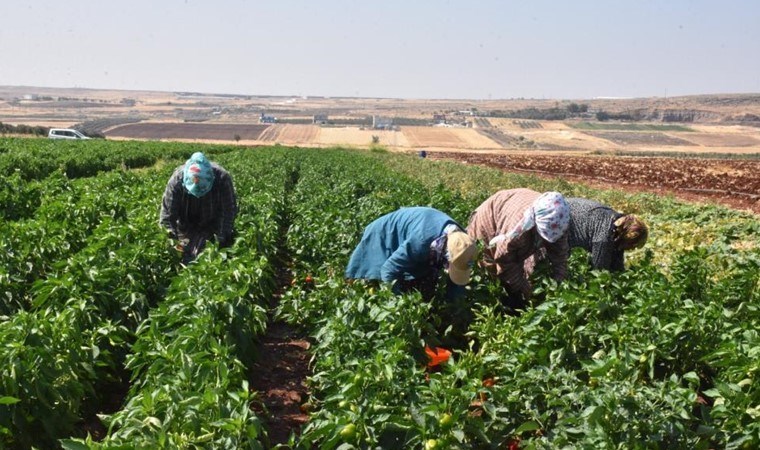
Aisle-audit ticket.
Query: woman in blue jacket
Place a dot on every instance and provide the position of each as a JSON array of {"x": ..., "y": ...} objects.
[{"x": 409, "y": 247}]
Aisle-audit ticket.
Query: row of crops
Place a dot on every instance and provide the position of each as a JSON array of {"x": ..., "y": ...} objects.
[{"x": 95, "y": 302}]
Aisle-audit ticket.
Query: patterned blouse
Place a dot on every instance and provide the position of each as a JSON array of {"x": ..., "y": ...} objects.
[
  {"x": 514, "y": 259},
  {"x": 591, "y": 228}
]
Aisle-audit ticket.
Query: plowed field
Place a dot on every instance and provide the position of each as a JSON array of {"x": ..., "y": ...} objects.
[
  {"x": 204, "y": 131},
  {"x": 432, "y": 137},
  {"x": 637, "y": 138},
  {"x": 735, "y": 183},
  {"x": 290, "y": 134}
]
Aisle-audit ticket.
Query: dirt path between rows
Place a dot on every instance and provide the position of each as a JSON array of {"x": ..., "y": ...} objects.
[
  {"x": 278, "y": 377},
  {"x": 732, "y": 183}
]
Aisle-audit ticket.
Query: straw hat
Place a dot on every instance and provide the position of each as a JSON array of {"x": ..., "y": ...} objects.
[{"x": 461, "y": 251}]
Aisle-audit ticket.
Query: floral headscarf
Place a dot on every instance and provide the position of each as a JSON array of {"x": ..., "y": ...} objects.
[
  {"x": 549, "y": 213},
  {"x": 198, "y": 176}
]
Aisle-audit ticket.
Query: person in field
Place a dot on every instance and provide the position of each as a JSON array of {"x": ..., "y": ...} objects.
[
  {"x": 518, "y": 227},
  {"x": 199, "y": 204},
  {"x": 604, "y": 232},
  {"x": 409, "y": 247}
]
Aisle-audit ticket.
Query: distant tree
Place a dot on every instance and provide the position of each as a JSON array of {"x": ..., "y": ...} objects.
[
  {"x": 602, "y": 116},
  {"x": 375, "y": 139},
  {"x": 237, "y": 138},
  {"x": 573, "y": 108}
]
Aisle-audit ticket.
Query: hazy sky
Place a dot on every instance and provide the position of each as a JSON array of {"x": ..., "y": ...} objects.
[{"x": 475, "y": 49}]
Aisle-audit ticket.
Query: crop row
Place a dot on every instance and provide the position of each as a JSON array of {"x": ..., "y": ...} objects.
[
  {"x": 661, "y": 355},
  {"x": 71, "y": 341},
  {"x": 189, "y": 362},
  {"x": 35, "y": 159},
  {"x": 101, "y": 295}
]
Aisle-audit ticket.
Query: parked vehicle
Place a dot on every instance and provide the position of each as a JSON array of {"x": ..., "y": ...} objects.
[{"x": 65, "y": 133}]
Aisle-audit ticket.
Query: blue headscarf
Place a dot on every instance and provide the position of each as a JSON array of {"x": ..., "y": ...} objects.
[{"x": 198, "y": 176}]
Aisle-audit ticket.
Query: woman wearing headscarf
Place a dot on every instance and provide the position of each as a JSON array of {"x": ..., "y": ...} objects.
[
  {"x": 518, "y": 225},
  {"x": 199, "y": 203},
  {"x": 604, "y": 232},
  {"x": 409, "y": 247}
]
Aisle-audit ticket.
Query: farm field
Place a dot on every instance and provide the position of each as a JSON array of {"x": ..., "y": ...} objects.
[
  {"x": 336, "y": 136},
  {"x": 205, "y": 131},
  {"x": 734, "y": 182},
  {"x": 104, "y": 333},
  {"x": 437, "y": 137},
  {"x": 499, "y": 137},
  {"x": 709, "y": 123},
  {"x": 289, "y": 134}
]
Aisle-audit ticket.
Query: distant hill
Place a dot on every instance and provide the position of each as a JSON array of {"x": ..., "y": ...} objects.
[{"x": 33, "y": 105}]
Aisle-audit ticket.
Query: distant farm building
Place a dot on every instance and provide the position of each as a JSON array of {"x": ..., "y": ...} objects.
[
  {"x": 267, "y": 119},
  {"x": 382, "y": 123},
  {"x": 320, "y": 119}
]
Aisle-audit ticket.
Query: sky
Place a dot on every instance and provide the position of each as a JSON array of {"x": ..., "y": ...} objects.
[{"x": 417, "y": 49}]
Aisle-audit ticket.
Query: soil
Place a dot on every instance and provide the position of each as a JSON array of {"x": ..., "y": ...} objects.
[
  {"x": 733, "y": 183},
  {"x": 278, "y": 377},
  {"x": 111, "y": 399},
  {"x": 204, "y": 131}
]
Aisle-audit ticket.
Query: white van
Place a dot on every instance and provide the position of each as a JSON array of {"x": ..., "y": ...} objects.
[{"x": 64, "y": 133}]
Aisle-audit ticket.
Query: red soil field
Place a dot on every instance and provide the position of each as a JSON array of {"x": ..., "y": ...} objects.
[{"x": 735, "y": 183}]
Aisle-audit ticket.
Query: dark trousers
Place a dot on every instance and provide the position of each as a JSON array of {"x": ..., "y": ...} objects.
[{"x": 427, "y": 286}]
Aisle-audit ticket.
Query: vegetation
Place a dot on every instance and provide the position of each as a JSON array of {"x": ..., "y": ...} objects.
[
  {"x": 664, "y": 355},
  {"x": 628, "y": 126},
  {"x": 23, "y": 129},
  {"x": 555, "y": 113}
]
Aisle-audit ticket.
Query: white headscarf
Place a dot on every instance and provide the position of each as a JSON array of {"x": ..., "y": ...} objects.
[{"x": 549, "y": 213}]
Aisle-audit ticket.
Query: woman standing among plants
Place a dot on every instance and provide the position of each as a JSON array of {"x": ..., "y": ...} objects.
[
  {"x": 409, "y": 247},
  {"x": 517, "y": 226},
  {"x": 604, "y": 232}
]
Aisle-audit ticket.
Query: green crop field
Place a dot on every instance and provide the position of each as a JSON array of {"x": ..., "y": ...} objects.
[
  {"x": 665, "y": 355},
  {"x": 628, "y": 126}
]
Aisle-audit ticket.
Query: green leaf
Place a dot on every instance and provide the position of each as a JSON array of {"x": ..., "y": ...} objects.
[
  {"x": 691, "y": 377},
  {"x": 528, "y": 426},
  {"x": 68, "y": 444},
  {"x": 712, "y": 393},
  {"x": 9, "y": 400}
]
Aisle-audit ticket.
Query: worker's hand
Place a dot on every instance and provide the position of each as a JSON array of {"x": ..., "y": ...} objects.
[
  {"x": 181, "y": 244},
  {"x": 171, "y": 233},
  {"x": 395, "y": 286}
]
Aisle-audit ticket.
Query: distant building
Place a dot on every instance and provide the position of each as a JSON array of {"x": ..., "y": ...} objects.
[
  {"x": 382, "y": 123},
  {"x": 439, "y": 119},
  {"x": 320, "y": 119},
  {"x": 267, "y": 119}
]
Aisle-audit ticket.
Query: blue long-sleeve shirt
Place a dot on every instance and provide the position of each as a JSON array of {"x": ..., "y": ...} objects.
[{"x": 397, "y": 245}]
